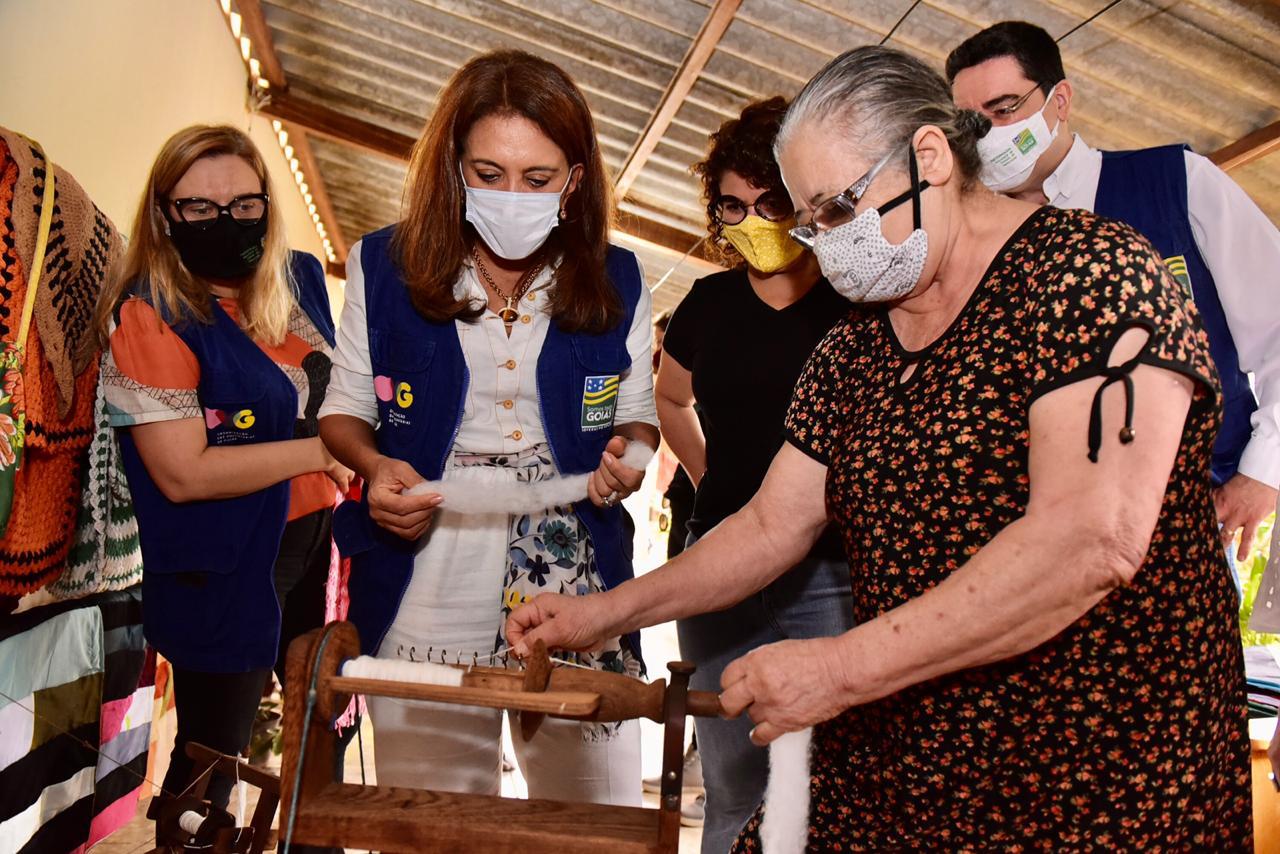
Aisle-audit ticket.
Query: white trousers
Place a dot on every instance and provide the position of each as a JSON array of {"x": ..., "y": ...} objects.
[
  {"x": 453, "y": 605},
  {"x": 459, "y": 749}
]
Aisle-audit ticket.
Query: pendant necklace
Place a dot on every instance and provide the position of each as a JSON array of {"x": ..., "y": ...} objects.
[{"x": 509, "y": 312}]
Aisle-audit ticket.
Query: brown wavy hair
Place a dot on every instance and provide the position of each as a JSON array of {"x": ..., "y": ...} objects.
[
  {"x": 265, "y": 299},
  {"x": 432, "y": 241},
  {"x": 743, "y": 145}
]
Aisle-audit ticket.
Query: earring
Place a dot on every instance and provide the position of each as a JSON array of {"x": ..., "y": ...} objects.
[{"x": 562, "y": 214}]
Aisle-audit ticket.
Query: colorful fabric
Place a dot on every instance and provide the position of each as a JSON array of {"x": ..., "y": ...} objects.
[
  {"x": 83, "y": 669},
  {"x": 59, "y": 373},
  {"x": 151, "y": 375},
  {"x": 1126, "y": 731},
  {"x": 551, "y": 552},
  {"x": 54, "y": 669}
]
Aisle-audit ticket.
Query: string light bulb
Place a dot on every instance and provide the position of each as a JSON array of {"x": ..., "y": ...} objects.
[{"x": 235, "y": 22}]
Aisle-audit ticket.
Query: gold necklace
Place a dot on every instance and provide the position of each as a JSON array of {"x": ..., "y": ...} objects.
[{"x": 508, "y": 313}]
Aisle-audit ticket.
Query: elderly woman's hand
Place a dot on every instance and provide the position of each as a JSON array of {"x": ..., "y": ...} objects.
[
  {"x": 574, "y": 623},
  {"x": 787, "y": 686},
  {"x": 612, "y": 481}
]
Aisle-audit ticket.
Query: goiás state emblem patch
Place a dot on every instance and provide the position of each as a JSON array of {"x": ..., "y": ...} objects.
[{"x": 599, "y": 401}]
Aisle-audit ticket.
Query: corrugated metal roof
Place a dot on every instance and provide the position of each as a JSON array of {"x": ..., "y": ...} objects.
[{"x": 1146, "y": 72}]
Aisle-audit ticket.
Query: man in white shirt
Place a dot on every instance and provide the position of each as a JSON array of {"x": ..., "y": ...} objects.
[{"x": 1220, "y": 247}]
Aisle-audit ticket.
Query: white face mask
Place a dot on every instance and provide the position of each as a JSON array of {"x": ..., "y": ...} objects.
[
  {"x": 862, "y": 265},
  {"x": 1010, "y": 152},
  {"x": 865, "y": 267},
  {"x": 513, "y": 225}
]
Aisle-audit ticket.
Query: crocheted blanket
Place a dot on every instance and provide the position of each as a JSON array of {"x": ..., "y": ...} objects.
[{"x": 60, "y": 371}]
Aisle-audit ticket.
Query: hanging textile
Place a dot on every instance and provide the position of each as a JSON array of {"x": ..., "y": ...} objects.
[{"x": 60, "y": 367}]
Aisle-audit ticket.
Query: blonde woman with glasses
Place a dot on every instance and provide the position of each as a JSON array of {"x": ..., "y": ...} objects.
[{"x": 218, "y": 340}]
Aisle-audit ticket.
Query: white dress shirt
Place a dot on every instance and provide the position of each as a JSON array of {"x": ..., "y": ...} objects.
[
  {"x": 1242, "y": 250},
  {"x": 501, "y": 413}
]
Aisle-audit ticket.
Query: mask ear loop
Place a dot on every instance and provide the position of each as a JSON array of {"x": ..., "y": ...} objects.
[{"x": 914, "y": 172}]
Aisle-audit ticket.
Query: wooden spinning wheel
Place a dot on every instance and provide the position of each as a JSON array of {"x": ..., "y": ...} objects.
[{"x": 384, "y": 818}]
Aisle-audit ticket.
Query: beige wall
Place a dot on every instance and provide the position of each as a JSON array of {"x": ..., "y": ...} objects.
[{"x": 102, "y": 83}]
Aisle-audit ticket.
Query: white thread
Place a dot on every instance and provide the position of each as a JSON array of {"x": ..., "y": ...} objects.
[
  {"x": 190, "y": 821},
  {"x": 241, "y": 793},
  {"x": 394, "y": 670},
  {"x": 785, "y": 829},
  {"x": 513, "y": 498}
]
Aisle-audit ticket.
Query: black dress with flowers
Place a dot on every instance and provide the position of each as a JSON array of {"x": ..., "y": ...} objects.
[{"x": 1126, "y": 731}]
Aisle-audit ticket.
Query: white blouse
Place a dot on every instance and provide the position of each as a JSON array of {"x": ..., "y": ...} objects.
[{"x": 501, "y": 414}]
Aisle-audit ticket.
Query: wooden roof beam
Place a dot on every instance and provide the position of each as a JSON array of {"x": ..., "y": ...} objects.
[
  {"x": 695, "y": 59},
  {"x": 329, "y": 123},
  {"x": 1248, "y": 148},
  {"x": 315, "y": 185},
  {"x": 254, "y": 25}
]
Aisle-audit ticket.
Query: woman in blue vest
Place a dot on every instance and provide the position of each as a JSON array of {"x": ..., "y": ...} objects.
[
  {"x": 219, "y": 341},
  {"x": 492, "y": 339}
]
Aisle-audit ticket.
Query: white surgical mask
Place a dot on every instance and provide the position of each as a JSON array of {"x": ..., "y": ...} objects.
[
  {"x": 1010, "y": 152},
  {"x": 513, "y": 225}
]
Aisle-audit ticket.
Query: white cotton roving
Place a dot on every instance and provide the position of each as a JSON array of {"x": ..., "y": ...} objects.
[
  {"x": 398, "y": 670},
  {"x": 785, "y": 829},
  {"x": 514, "y": 498}
]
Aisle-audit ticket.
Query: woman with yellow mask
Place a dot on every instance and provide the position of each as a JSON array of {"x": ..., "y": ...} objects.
[{"x": 736, "y": 346}]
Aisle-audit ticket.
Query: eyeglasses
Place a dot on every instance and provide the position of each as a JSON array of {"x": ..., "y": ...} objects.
[
  {"x": 772, "y": 205},
  {"x": 842, "y": 207},
  {"x": 202, "y": 213},
  {"x": 1006, "y": 111}
]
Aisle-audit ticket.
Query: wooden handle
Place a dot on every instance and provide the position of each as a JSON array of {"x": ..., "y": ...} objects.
[
  {"x": 622, "y": 698},
  {"x": 704, "y": 704},
  {"x": 536, "y": 675}
]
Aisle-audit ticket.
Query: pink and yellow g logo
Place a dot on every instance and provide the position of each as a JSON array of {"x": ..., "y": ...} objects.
[
  {"x": 404, "y": 395},
  {"x": 243, "y": 419}
]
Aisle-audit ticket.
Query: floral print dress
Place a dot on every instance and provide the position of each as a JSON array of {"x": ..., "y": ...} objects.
[{"x": 1127, "y": 731}]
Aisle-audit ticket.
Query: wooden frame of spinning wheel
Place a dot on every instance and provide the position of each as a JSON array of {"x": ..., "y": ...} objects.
[{"x": 385, "y": 818}]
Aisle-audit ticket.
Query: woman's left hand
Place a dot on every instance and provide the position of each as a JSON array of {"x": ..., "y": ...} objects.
[
  {"x": 613, "y": 481},
  {"x": 786, "y": 686}
]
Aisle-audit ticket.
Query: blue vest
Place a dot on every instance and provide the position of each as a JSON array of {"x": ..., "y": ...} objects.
[
  {"x": 209, "y": 599},
  {"x": 421, "y": 377},
  {"x": 1147, "y": 189}
]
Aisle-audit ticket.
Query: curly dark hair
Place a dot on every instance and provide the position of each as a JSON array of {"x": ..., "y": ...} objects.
[{"x": 743, "y": 145}]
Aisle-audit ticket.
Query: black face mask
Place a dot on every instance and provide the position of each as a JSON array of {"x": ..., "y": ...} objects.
[{"x": 224, "y": 250}]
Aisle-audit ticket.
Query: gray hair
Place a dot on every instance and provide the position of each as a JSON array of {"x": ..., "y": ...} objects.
[{"x": 880, "y": 97}]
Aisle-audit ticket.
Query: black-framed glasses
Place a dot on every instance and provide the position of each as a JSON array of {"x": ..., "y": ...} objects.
[
  {"x": 842, "y": 207},
  {"x": 773, "y": 205},
  {"x": 1005, "y": 111},
  {"x": 246, "y": 210}
]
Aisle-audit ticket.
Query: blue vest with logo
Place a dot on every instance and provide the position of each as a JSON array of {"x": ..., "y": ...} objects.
[
  {"x": 422, "y": 373},
  {"x": 207, "y": 582},
  {"x": 1147, "y": 189}
]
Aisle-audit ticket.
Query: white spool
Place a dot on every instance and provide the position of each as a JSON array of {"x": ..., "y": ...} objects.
[{"x": 397, "y": 670}]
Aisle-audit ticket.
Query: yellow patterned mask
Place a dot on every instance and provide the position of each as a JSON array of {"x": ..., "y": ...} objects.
[{"x": 765, "y": 245}]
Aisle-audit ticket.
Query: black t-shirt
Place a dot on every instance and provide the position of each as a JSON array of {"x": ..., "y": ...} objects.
[{"x": 745, "y": 358}]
